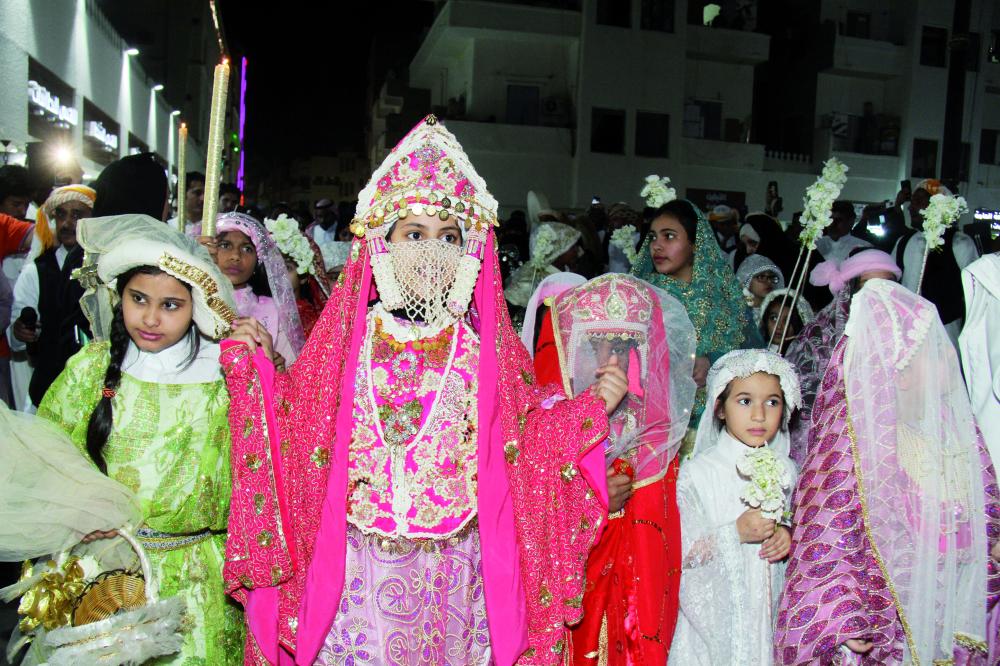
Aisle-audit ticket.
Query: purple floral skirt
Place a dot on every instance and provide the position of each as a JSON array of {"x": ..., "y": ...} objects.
[{"x": 408, "y": 602}]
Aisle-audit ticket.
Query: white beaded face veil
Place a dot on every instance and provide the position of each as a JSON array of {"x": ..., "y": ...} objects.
[{"x": 427, "y": 174}]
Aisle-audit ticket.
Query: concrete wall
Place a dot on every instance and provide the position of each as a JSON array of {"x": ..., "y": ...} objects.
[{"x": 80, "y": 48}]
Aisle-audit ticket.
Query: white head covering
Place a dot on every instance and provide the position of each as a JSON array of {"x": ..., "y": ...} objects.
[
  {"x": 116, "y": 244},
  {"x": 736, "y": 365},
  {"x": 548, "y": 241},
  {"x": 802, "y": 306},
  {"x": 751, "y": 233},
  {"x": 919, "y": 462},
  {"x": 754, "y": 265},
  {"x": 547, "y": 290}
]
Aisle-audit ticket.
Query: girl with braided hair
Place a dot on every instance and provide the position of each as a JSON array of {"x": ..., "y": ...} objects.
[{"x": 147, "y": 402}]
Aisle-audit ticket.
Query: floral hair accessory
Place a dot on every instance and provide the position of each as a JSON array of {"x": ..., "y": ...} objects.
[
  {"x": 818, "y": 202},
  {"x": 657, "y": 191},
  {"x": 941, "y": 213},
  {"x": 291, "y": 242}
]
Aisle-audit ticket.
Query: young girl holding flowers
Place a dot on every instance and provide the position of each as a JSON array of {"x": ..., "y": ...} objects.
[{"x": 733, "y": 498}]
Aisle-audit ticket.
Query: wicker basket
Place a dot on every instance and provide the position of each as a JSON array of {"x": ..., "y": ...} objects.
[{"x": 119, "y": 619}]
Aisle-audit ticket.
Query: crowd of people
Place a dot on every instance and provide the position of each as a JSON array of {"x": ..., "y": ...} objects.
[{"x": 633, "y": 434}]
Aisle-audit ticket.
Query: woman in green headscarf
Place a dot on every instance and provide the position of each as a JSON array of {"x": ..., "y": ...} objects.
[{"x": 680, "y": 255}]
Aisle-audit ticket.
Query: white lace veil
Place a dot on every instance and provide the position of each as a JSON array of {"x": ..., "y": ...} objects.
[
  {"x": 649, "y": 331},
  {"x": 918, "y": 461},
  {"x": 547, "y": 290},
  {"x": 743, "y": 363}
]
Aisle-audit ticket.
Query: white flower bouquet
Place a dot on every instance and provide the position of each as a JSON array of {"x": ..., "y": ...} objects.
[
  {"x": 292, "y": 243},
  {"x": 769, "y": 480},
  {"x": 941, "y": 213},
  {"x": 623, "y": 239},
  {"x": 819, "y": 199},
  {"x": 657, "y": 191}
]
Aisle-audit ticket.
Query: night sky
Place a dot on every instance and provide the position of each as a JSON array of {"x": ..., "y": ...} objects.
[{"x": 310, "y": 66}]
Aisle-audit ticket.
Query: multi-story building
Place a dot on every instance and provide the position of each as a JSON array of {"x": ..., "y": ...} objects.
[
  {"x": 76, "y": 87},
  {"x": 305, "y": 181},
  {"x": 583, "y": 98}
]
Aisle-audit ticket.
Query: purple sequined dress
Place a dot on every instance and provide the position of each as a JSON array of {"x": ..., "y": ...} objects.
[{"x": 835, "y": 589}]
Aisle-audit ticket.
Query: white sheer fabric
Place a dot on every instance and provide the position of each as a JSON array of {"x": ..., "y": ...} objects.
[
  {"x": 548, "y": 288},
  {"x": 51, "y": 495},
  {"x": 728, "y": 593},
  {"x": 919, "y": 467}
]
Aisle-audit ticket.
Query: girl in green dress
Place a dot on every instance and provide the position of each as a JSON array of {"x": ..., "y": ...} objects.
[{"x": 148, "y": 404}]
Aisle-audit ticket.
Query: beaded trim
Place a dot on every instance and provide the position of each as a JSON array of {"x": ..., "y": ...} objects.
[
  {"x": 206, "y": 283},
  {"x": 154, "y": 540}
]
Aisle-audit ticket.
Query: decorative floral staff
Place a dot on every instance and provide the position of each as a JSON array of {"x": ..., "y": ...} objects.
[
  {"x": 816, "y": 217},
  {"x": 941, "y": 213},
  {"x": 656, "y": 192}
]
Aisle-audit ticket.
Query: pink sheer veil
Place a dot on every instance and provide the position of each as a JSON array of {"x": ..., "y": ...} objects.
[
  {"x": 917, "y": 458},
  {"x": 270, "y": 257},
  {"x": 650, "y": 331}
]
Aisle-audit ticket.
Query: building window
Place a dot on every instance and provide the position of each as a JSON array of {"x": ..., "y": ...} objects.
[
  {"x": 934, "y": 47},
  {"x": 657, "y": 15},
  {"x": 859, "y": 24},
  {"x": 607, "y": 131},
  {"x": 988, "y": 146},
  {"x": 925, "y": 153},
  {"x": 703, "y": 119},
  {"x": 972, "y": 53},
  {"x": 523, "y": 105},
  {"x": 652, "y": 134},
  {"x": 614, "y": 12}
]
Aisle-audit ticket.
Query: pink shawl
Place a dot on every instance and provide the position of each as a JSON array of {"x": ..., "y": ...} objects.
[{"x": 538, "y": 507}]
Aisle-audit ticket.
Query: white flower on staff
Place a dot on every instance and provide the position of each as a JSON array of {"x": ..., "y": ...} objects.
[
  {"x": 819, "y": 199},
  {"x": 941, "y": 213},
  {"x": 292, "y": 243},
  {"x": 622, "y": 238},
  {"x": 545, "y": 242},
  {"x": 657, "y": 191},
  {"x": 769, "y": 480}
]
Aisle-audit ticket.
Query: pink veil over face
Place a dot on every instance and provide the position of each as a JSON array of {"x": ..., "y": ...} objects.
[
  {"x": 917, "y": 458},
  {"x": 547, "y": 290},
  {"x": 648, "y": 330},
  {"x": 269, "y": 256}
]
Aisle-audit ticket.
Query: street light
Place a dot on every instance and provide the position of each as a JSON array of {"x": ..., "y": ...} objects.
[
  {"x": 158, "y": 87},
  {"x": 132, "y": 51}
]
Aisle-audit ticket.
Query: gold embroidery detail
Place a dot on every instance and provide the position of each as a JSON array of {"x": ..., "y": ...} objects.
[
  {"x": 252, "y": 461},
  {"x": 526, "y": 377},
  {"x": 247, "y": 427},
  {"x": 588, "y": 423},
  {"x": 246, "y": 582},
  {"x": 866, "y": 520},
  {"x": 285, "y": 445},
  {"x": 568, "y": 472},
  {"x": 265, "y": 539},
  {"x": 275, "y": 574},
  {"x": 574, "y": 602},
  {"x": 205, "y": 282},
  {"x": 559, "y": 646},
  {"x": 511, "y": 452},
  {"x": 544, "y": 596},
  {"x": 258, "y": 503},
  {"x": 320, "y": 456},
  {"x": 971, "y": 643}
]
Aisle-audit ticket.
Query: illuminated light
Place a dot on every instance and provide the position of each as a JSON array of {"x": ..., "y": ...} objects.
[
  {"x": 62, "y": 155},
  {"x": 132, "y": 51},
  {"x": 243, "y": 118},
  {"x": 878, "y": 231},
  {"x": 158, "y": 87},
  {"x": 175, "y": 112}
]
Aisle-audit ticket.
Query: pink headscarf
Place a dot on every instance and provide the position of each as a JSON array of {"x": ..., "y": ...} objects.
[{"x": 837, "y": 275}]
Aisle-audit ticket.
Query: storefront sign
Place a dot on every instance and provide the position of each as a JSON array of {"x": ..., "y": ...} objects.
[
  {"x": 40, "y": 97},
  {"x": 95, "y": 130}
]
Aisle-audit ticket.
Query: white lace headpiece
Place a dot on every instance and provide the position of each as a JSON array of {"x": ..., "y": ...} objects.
[{"x": 742, "y": 363}]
